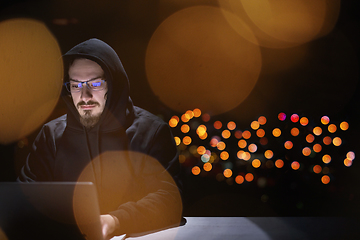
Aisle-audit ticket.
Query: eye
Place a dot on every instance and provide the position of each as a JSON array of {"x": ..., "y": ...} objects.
[
  {"x": 75, "y": 85},
  {"x": 96, "y": 84}
]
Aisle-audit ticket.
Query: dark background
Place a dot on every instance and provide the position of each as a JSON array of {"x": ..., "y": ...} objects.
[{"x": 128, "y": 26}]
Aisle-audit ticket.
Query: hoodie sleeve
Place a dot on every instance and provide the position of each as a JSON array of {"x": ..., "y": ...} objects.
[{"x": 161, "y": 206}]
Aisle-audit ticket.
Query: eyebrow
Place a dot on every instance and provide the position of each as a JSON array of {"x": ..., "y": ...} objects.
[{"x": 70, "y": 79}]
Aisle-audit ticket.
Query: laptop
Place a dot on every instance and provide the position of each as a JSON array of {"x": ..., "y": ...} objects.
[{"x": 49, "y": 210}]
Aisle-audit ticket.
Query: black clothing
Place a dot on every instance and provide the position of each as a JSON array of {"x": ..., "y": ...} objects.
[{"x": 120, "y": 154}]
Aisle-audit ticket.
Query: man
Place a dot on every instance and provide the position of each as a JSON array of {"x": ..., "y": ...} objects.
[{"x": 124, "y": 150}]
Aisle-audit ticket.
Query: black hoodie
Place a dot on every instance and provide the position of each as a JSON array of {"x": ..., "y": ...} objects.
[{"x": 120, "y": 154}]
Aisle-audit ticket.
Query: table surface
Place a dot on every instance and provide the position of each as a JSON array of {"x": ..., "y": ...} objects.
[{"x": 258, "y": 228}]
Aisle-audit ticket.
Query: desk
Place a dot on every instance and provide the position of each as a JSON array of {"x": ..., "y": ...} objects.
[{"x": 259, "y": 228}]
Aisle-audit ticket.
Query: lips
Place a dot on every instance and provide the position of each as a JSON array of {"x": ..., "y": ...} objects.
[{"x": 87, "y": 107}]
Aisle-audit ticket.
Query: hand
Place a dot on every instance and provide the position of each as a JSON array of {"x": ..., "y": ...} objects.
[{"x": 108, "y": 225}]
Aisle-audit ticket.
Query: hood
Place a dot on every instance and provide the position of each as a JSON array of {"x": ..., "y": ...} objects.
[{"x": 118, "y": 105}]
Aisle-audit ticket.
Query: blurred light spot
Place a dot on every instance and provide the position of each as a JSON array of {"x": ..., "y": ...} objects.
[
  {"x": 294, "y": 118},
  {"x": 187, "y": 140},
  {"x": 276, "y": 132},
  {"x": 304, "y": 121},
  {"x": 269, "y": 164},
  {"x": 325, "y": 179},
  {"x": 282, "y": 116},
  {"x": 295, "y": 165},
  {"x": 255, "y": 125},
  {"x": 242, "y": 143},
  {"x": 227, "y": 173},
  {"x": 204, "y": 136},
  {"x": 252, "y": 148},
  {"x": 217, "y": 125},
  {"x": 325, "y": 120},
  {"x": 201, "y": 150},
  {"x": 317, "y": 131},
  {"x": 207, "y": 167},
  {"x": 185, "y": 128},
  {"x": 190, "y": 113},
  {"x": 246, "y": 134},
  {"x": 326, "y": 158},
  {"x": 206, "y": 117},
  {"x": 231, "y": 125},
  {"x": 317, "y": 169},
  {"x": 238, "y": 134},
  {"x": 295, "y": 131},
  {"x": 240, "y": 154},
  {"x": 221, "y": 145},
  {"x": 239, "y": 179},
  {"x": 249, "y": 177},
  {"x": 214, "y": 55},
  {"x": 213, "y": 157},
  {"x": 193, "y": 150},
  {"x": 347, "y": 162},
  {"x": 350, "y": 155},
  {"x": 279, "y": 163},
  {"x": 317, "y": 148},
  {"x": 268, "y": 154},
  {"x": 182, "y": 158},
  {"x": 185, "y": 118},
  {"x": 32, "y": 70},
  {"x": 173, "y": 122},
  {"x": 344, "y": 126},
  {"x": 327, "y": 140},
  {"x": 201, "y": 130},
  {"x": 214, "y": 141},
  {"x": 306, "y": 151},
  {"x": 197, "y": 112},
  {"x": 263, "y": 141},
  {"x": 310, "y": 138},
  {"x": 332, "y": 128},
  {"x": 226, "y": 134},
  {"x": 224, "y": 155},
  {"x": 256, "y": 163},
  {"x": 262, "y": 183},
  {"x": 205, "y": 158},
  {"x": 260, "y": 133},
  {"x": 337, "y": 141},
  {"x": 246, "y": 156},
  {"x": 195, "y": 170},
  {"x": 177, "y": 141},
  {"x": 262, "y": 120},
  {"x": 288, "y": 145}
]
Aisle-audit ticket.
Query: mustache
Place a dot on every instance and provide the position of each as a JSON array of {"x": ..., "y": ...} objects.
[{"x": 88, "y": 103}]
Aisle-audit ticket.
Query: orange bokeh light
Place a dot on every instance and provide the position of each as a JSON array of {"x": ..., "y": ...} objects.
[
  {"x": 327, "y": 140},
  {"x": 252, "y": 148},
  {"x": 317, "y": 169},
  {"x": 262, "y": 120},
  {"x": 295, "y": 165},
  {"x": 196, "y": 170},
  {"x": 221, "y": 146},
  {"x": 226, "y": 134},
  {"x": 197, "y": 112},
  {"x": 177, "y": 141},
  {"x": 344, "y": 126},
  {"x": 350, "y": 155},
  {"x": 326, "y": 158},
  {"x": 246, "y": 156},
  {"x": 317, "y": 148},
  {"x": 249, "y": 177},
  {"x": 242, "y": 143},
  {"x": 288, "y": 145},
  {"x": 347, "y": 162},
  {"x": 325, "y": 120},
  {"x": 246, "y": 134},
  {"x": 268, "y": 154},
  {"x": 337, "y": 141},
  {"x": 260, "y": 133},
  {"x": 240, "y": 154},
  {"x": 227, "y": 173},
  {"x": 217, "y": 125},
  {"x": 325, "y": 179},
  {"x": 207, "y": 167},
  {"x": 238, "y": 134},
  {"x": 224, "y": 155},
  {"x": 231, "y": 125},
  {"x": 310, "y": 138},
  {"x": 276, "y": 132},
  {"x": 185, "y": 128},
  {"x": 279, "y": 163},
  {"x": 306, "y": 151},
  {"x": 332, "y": 128},
  {"x": 304, "y": 121},
  {"x": 255, "y": 125},
  {"x": 201, "y": 150},
  {"x": 187, "y": 140},
  {"x": 239, "y": 179},
  {"x": 317, "y": 131},
  {"x": 256, "y": 163},
  {"x": 295, "y": 131}
]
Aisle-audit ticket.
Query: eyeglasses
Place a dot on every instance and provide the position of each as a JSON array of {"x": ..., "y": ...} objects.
[{"x": 94, "y": 85}]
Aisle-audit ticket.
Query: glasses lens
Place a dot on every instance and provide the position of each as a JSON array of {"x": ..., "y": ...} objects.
[
  {"x": 96, "y": 84},
  {"x": 75, "y": 87}
]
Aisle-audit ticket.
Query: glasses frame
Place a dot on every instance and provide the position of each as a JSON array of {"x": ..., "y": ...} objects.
[{"x": 67, "y": 85}]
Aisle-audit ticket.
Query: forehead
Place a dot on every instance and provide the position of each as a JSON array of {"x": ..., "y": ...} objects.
[{"x": 84, "y": 69}]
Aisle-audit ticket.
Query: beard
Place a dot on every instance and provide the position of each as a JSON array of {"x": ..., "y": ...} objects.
[{"x": 87, "y": 119}]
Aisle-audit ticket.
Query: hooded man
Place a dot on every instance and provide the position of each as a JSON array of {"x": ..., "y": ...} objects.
[{"x": 128, "y": 153}]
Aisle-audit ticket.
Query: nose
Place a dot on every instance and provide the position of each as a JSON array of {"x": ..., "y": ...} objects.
[{"x": 86, "y": 94}]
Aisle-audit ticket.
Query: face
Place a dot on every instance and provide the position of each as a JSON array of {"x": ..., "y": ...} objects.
[{"x": 89, "y": 103}]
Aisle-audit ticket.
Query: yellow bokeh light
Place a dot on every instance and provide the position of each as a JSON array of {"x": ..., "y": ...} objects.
[
  {"x": 254, "y": 125},
  {"x": 306, "y": 151},
  {"x": 226, "y": 134},
  {"x": 214, "y": 55},
  {"x": 310, "y": 138},
  {"x": 304, "y": 121},
  {"x": 332, "y": 128},
  {"x": 350, "y": 155},
  {"x": 239, "y": 179},
  {"x": 227, "y": 173},
  {"x": 344, "y": 126},
  {"x": 185, "y": 128},
  {"x": 317, "y": 169},
  {"x": 177, "y": 141},
  {"x": 207, "y": 167},
  {"x": 221, "y": 146},
  {"x": 288, "y": 145},
  {"x": 31, "y": 66},
  {"x": 173, "y": 122},
  {"x": 325, "y": 179},
  {"x": 187, "y": 140},
  {"x": 279, "y": 163},
  {"x": 196, "y": 170},
  {"x": 252, "y": 148},
  {"x": 337, "y": 141},
  {"x": 276, "y": 132},
  {"x": 217, "y": 125},
  {"x": 190, "y": 114},
  {"x": 249, "y": 177},
  {"x": 260, "y": 133},
  {"x": 224, "y": 155},
  {"x": 317, "y": 148},
  {"x": 204, "y": 136},
  {"x": 246, "y": 134},
  {"x": 295, "y": 131},
  {"x": 256, "y": 163},
  {"x": 295, "y": 165},
  {"x": 317, "y": 131},
  {"x": 231, "y": 125},
  {"x": 197, "y": 112},
  {"x": 201, "y": 130},
  {"x": 326, "y": 158},
  {"x": 268, "y": 154},
  {"x": 242, "y": 143},
  {"x": 262, "y": 120}
]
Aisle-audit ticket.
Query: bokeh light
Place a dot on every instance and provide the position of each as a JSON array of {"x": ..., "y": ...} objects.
[
  {"x": 276, "y": 132},
  {"x": 325, "y": 120},
  {"x": 226, "y": 134},
  {"x": 217, "y": 125},
  {"x": 306, "y": 151},
  {"x": 282, "y": 116},
  {"x": 295, "y": 131},
  {"x": 327, "y": 140},
  {"x": 238, "y": 134},
  {"x": 347, "y": 162},
  {"x": 288, "y": 145},
  {"x": 249, "y": 177},
  {"x": 304, "y": 121},
  {"x": 221, "y": 145},
  {"x": 177, "y": 141},
  {"x": 255, "y": 125},
  {"x": 206, "y": 117},
  {"x": 185, "y": 128},
  {"x": 256, "y": 163},
  {"x": 317, "y": 131},
  {"x": 246, "y": 156},
  {"x": 224, "y": 155},
  {"x": 242, "y": 143},
  {"x": 185, "y": 118},
  {"x": 252, "y": 148},
  {"x": 231, "y": 125},
  {"x": 187, "y": 140},
  {"x": 31, "y": 66},
  {"x": 326, "y": 158},
  {"x": 317, "y": 148},
  {"x": 201, "y": 150},
  {"x": 295, "y": 165},
  {"x": 310, "y": 138},
  {"x": 196, "y": 170},
  {"x": 294, "y": 118},
  {"x": 279, "y": 163},
  {"x": 239, "y": 179},
  {"x": 344, "y": 126},
  {"x": 240, "y": 154},
  {"x": 197, "y": 112},
  {"x": 214, "y": 55},
  {"x": 246, "y": 134},
  {"x": 262, "y": 120},
  {"x": 173, "y": 122},
  {"x": 207, "y": 167},
  {"x": 317, "y": 169},
  {"x": 337, "y": 141},
  {"x": 214, "y": 141},
  {"x": 325, "y": 179},
  {"x": 332, "y": 128},
  {"x": 260, "y": 133},
  {"x": 350, "y": 155},
  {"x": 227, "y": 173},
  {"x": 268, "y": 154}
]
